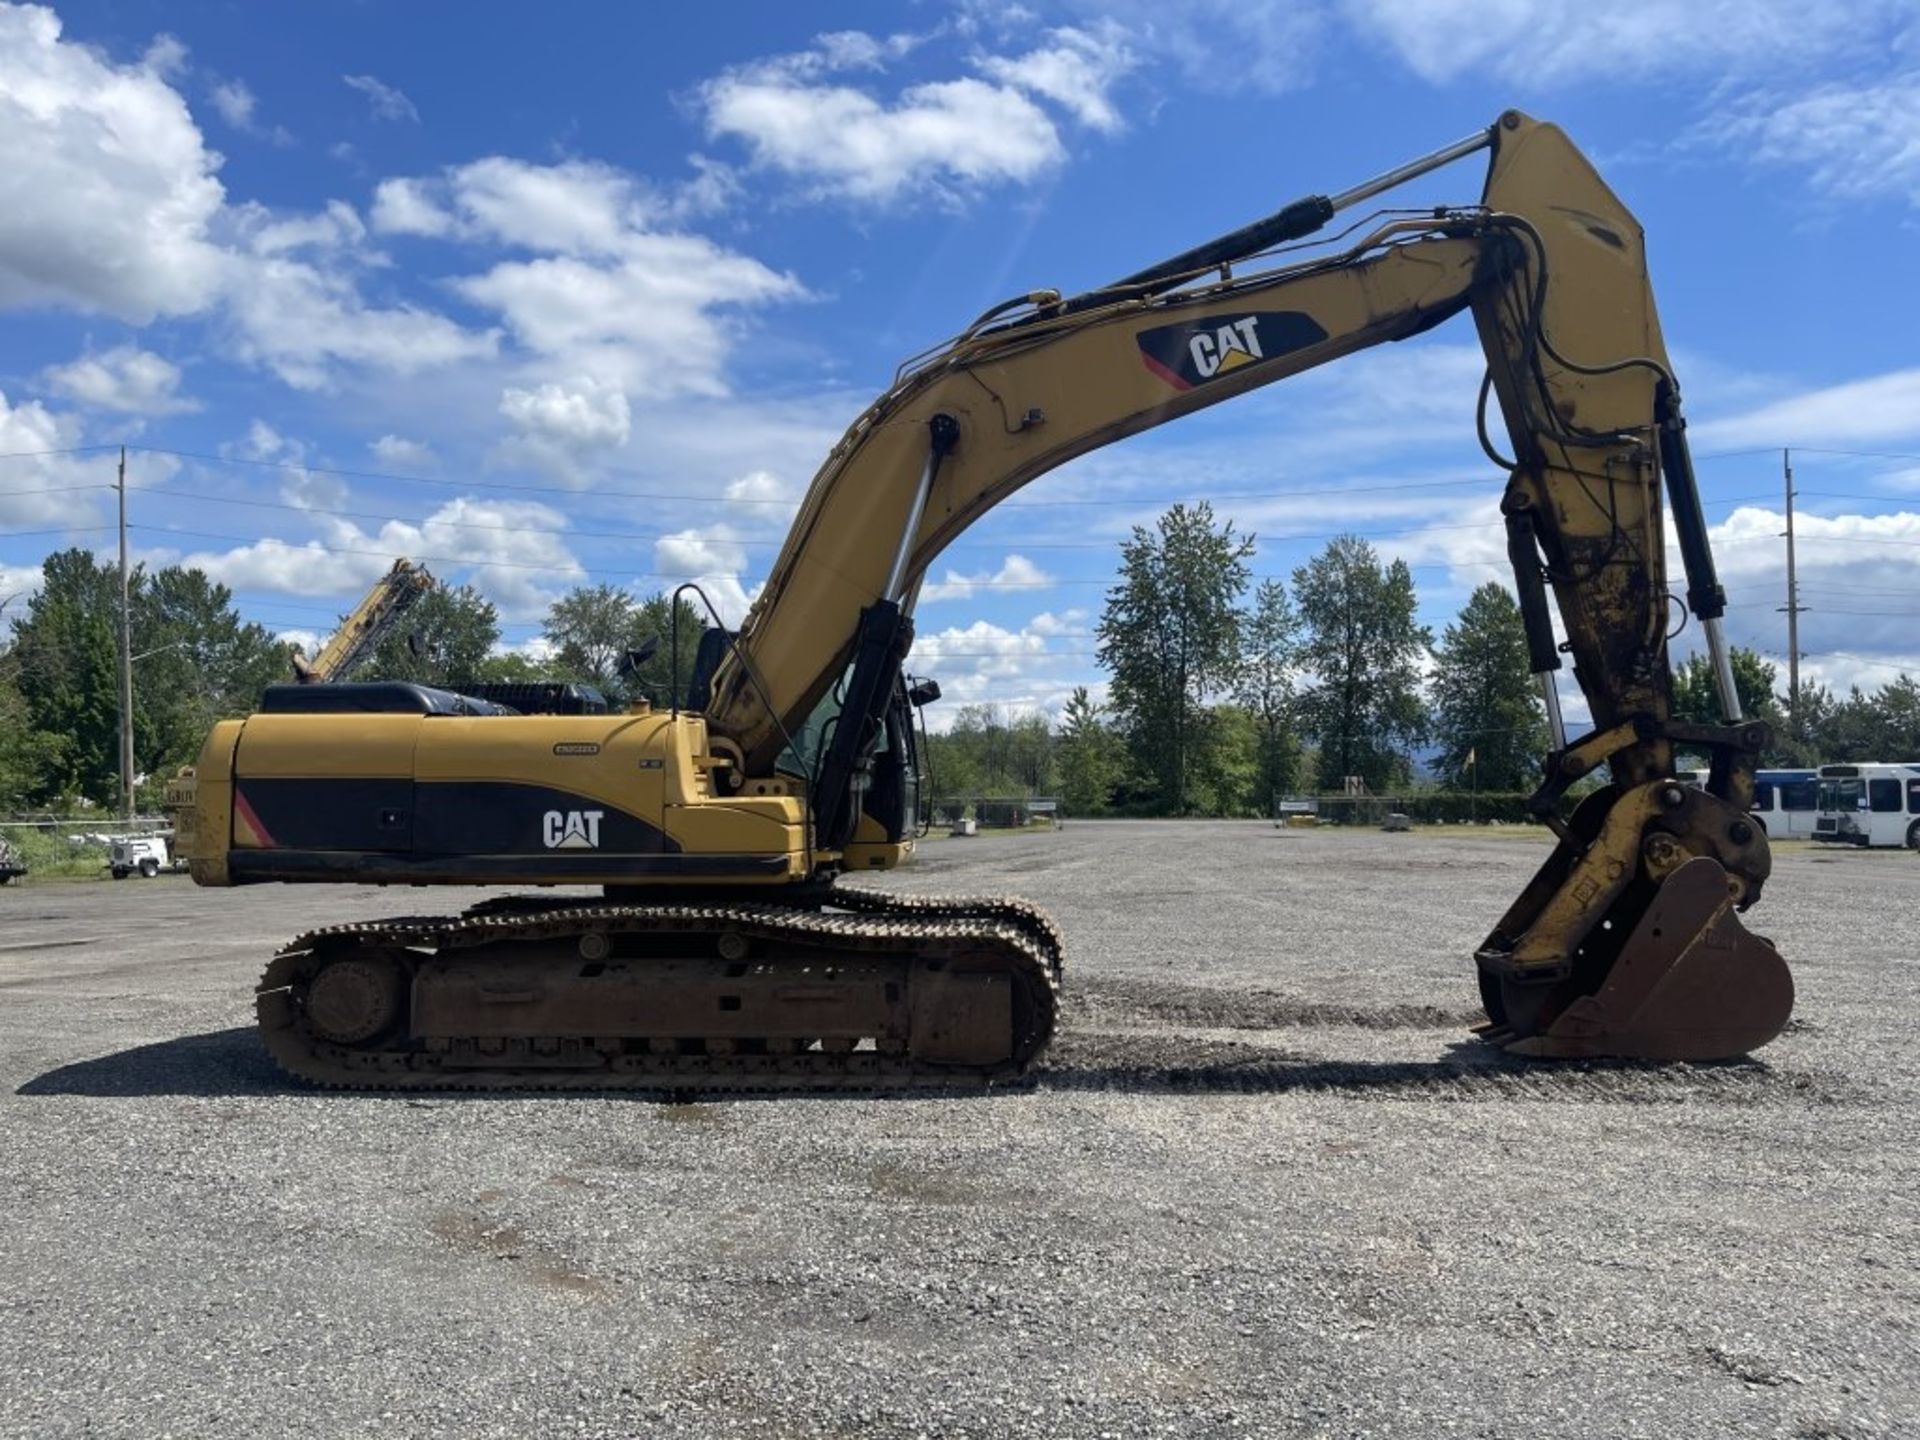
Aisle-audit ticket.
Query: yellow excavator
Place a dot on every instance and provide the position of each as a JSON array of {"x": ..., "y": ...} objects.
[
  {"x": 725, "y": 949},
  {"x": 360, "y": 634}
]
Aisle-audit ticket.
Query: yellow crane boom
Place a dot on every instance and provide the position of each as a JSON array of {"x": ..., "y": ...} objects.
[{"x": 360, "y": 634}]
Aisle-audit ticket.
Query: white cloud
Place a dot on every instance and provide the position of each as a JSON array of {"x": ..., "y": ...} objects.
[
  {"x": 611, "y": 290},
  {"x": 334, "y": 230},
  {"x": 238, "y": 105},
  {"x": 942, "y": 137},
  {"x": 1876, "y": 409},
  {"x": 764, "y": 493},
  {"x": 577, "y": 207},
  {"x": 109, "y": 202},
  {"x": 18, "y": 585},
  {"x": 302, "y": 320},
  {"x": 573, "y": 207},
  {"x": 263, "y": 442},
  {"x": 1856, "y": 141},
  {"x": 125, "y": 378},
  {"x": 403, "y": 454},
  {"x": 403, "y": 206},
  {"x": 288, "y": 567},
  {"x": 1076, "y": 71},
  {"x": 712, "y": 557},
  {"x": 383, "y": 100},
  {"x": 1016, "y": 670},
  {"x": 43, "y": 490},
  {"x": 588, "y": 414},
  {"x": 648, "y": 321},
  {"x": 235, "y": 103},
  {"x": 1542, "y": 43},
  {"x": 107, "y": 192},
  {"x": 563, "y": 429},
  {"x": 1859, "y": 576},
  {"x": 1067, "y": 622},
  {"x": 307, "y": 642},
  {"x": 1015, "y": 572},
  {"x": 510, "y": 549},
  {"x": 537, "y": 648},
  {"x": 1220, "y": 46}
]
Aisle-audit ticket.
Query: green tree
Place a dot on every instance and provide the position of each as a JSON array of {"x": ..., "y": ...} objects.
[
  {"x": 1881, "y": 725},
  {"x": 1361, "y": 658},
  {"x": 27, "y": 755},
  {"x": 656, "y": 677},
  {"x": 203, "y": 663},
  {"x": 1227, "y": 775},
  {"x": 196, "y": 661},
  {"x": 511, "y": 667},
  {"x": 446, "y": 637},
  {"x": 1087, "y": 755},
  {"x": 1485, "y": 705},
  {"x": 1696, "y": 698},
  {"x": 1270, "y": 652},
  {"x": 1170, "y": 637},
  {"x": 66, "y": 649},
  {"x": 1696, "y": 694},
  {"x": 594, "y": 628}
]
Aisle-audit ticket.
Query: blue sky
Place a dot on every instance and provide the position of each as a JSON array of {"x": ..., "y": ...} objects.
[{"x": 586, "y": 295}]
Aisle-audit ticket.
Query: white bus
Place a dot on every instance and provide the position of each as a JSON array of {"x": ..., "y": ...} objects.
[
  {"x": 1785, "y": 802},
  {"x": 1870, "y": 804}
]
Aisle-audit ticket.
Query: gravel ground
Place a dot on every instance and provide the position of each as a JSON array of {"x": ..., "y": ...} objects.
[{"x": 1263, "y": 1188}]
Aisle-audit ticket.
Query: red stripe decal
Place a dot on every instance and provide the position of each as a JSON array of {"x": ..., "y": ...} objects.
[
  {"x": 1164, "y": 373},
  {"x": 245, "y": 811}
]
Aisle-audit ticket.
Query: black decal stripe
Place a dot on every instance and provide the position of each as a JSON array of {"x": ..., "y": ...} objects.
[
  {"x": 1168, "y": 353},
  {"x": 435, "y": 817},
  {"x": 249, "y": 867}
]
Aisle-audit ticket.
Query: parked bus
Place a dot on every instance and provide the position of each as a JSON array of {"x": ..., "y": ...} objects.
[
  {"x": 1870, "y": 804},
  {"x": 1785, "y": 802}
]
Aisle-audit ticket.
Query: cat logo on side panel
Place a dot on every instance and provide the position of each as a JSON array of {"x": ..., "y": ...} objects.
[{"x": 571, "y": 829}]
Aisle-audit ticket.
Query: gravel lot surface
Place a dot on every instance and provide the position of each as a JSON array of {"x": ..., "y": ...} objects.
[{"x": 1263, "y": 1188}]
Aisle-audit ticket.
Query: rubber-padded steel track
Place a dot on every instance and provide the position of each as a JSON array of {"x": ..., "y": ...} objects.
[{"x": 987, "y": 935}]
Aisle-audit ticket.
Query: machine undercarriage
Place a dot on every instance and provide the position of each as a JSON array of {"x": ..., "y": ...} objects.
[{"x": 857, "y": 991}]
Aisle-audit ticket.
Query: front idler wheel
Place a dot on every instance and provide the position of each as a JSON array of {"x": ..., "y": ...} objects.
[{"x": 356, "y": 998}]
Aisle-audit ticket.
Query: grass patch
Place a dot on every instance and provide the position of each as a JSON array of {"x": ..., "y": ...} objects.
[{"x": 48, "y": 856}]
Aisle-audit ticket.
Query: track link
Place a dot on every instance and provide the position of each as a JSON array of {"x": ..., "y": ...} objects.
[{"x": 891, "y": 944}]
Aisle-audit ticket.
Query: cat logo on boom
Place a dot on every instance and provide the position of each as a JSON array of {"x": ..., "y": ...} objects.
[
  {"x": 572, "y": 829},
  {"x": 1201, "y": 350}
]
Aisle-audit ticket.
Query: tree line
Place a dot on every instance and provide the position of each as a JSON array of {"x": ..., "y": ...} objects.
[{"x": 1226, "y": 695}]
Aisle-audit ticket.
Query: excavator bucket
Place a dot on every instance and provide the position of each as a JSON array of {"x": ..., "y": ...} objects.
[{"x": 1690, "y": 983}]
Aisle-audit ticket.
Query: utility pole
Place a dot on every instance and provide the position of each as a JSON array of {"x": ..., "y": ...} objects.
[
  {"x": 126, "y": 658},
  {"x": 1793, "y": 607}
]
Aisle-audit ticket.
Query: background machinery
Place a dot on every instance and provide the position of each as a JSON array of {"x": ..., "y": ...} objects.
[
  {"x": 723, "y": 952},
  {"x": 360, "y": 634}
]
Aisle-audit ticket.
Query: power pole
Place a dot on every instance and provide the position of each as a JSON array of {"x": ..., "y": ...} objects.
[
  {"x": 126, "y": 658},
  {"x": 1793, "y": 607}
]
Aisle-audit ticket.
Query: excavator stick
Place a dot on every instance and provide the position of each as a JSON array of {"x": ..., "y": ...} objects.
[{"x": 1627, "y": 944}]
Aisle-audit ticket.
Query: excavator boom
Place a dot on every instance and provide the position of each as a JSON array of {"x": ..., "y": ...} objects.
[
  {"x": 792, "y": 762},
  {"x": 360, "y": 634}
]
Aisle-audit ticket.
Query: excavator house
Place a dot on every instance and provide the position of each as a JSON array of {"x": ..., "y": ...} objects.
[{"x": 724, "y": 949}]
